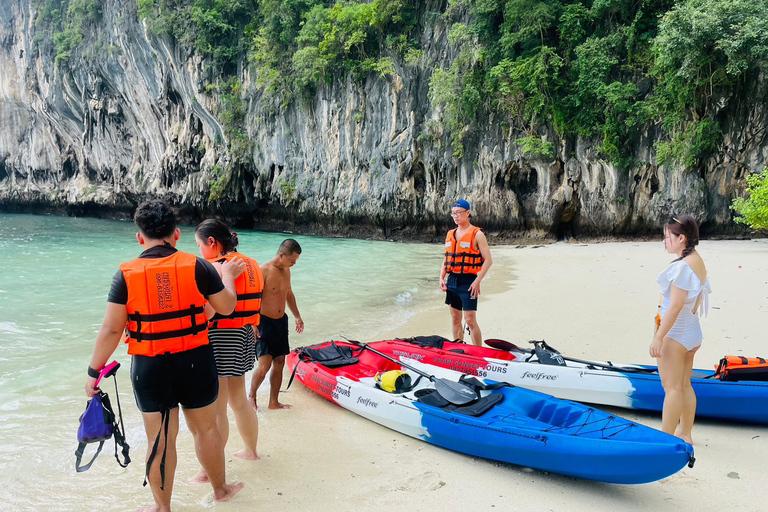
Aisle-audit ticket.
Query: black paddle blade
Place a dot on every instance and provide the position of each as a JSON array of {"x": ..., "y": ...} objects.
[
  {"x": 503, "y": 345},
  {"x": 456, "y": 393}
]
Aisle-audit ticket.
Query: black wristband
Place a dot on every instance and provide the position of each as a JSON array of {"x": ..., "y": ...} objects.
[{"x": 93, "y": 373}]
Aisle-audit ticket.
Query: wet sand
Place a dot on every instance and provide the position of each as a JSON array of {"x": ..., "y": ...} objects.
[{"x": 594, "y": 301}]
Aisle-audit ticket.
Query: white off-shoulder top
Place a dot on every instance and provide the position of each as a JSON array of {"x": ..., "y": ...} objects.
[{"x": 687, "y": 329}]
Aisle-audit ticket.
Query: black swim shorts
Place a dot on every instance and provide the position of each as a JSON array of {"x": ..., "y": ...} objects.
[
  {"x": 273, "y": 337},
  {"x": 457, "y": 295},
  {"x": 164, "y": 381}
]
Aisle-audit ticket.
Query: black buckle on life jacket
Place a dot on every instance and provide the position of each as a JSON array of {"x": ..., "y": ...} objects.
[{"x": 138, "y": 327}]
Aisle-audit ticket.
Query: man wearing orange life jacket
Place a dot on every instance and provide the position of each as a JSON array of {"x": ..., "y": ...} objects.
[
  {"x": 158, "y": 300},
  {"x": 467, "y": 260}
]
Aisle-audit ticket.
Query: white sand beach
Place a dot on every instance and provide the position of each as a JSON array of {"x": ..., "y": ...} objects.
[{"x": 594, "y": 301}]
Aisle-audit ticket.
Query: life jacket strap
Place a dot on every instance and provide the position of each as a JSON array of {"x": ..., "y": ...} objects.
[
  {"x": 178, "y": 333},
  {"x": 249, "y": 296},
  {"x": 171, "y": 315},
  {"x": 192, "y": 312},
  {"x": 164, "y": 421},
  {"x": 237, "y": 314}
]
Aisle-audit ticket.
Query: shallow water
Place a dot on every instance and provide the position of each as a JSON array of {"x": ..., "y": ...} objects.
[{"x": 54, "y": 278}]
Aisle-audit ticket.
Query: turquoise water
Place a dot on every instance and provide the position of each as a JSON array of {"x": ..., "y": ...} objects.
[{"x": 55, "y": 274}]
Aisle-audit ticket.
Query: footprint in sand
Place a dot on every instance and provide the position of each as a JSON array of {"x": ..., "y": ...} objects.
[{"x": 419, "y": 483}]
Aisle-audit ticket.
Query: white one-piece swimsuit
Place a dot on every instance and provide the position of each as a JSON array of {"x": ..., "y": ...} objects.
[{"x": 687, "y": 330}]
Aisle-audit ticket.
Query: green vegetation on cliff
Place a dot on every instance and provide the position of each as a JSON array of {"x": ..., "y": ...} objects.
[
  {"x": 754, "y": 208},
  {"x": 603, "y": 69},
  {"x": 64, "y": 23}
]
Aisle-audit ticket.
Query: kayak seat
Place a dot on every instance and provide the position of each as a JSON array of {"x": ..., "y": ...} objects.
[
  {"x": 481, "y": 406},
  {"x": 430, "y": 396},
  {"x": 331, "y": 356},
  {"x": 475, "y": 409},
  {"x": 458, "y": 350}
]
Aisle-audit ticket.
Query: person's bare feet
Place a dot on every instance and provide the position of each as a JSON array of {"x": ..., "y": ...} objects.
[
  {"x": 246, "y": 454},
  {"x": 200, "y": 478},
  {"x": 278, "y": 405},
  {"x": 228, "y": 491},
  {"x": 688, "y": 439}
]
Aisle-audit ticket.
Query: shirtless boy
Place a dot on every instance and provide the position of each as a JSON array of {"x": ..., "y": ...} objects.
[{"x": 272, "y": 345}]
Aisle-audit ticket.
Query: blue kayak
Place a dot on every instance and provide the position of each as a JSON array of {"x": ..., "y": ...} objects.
[
  {"x": 501, "y": 422},
  {"x": 630, "y": 386}
]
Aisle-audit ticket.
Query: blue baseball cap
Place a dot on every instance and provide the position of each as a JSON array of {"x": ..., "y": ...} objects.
[{"x": 460, "y": 203}]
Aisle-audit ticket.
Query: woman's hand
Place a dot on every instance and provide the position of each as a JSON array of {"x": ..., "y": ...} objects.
[
  {"x": 655, "y": 349},
  {"x": 233, "y": 267}
]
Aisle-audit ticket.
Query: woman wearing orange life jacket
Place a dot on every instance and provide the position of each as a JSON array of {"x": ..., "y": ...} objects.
[{"x": 233, "y": 337}]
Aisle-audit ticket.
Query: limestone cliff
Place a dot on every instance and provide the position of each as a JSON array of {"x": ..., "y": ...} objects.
[{"x": 130, "y": 117}]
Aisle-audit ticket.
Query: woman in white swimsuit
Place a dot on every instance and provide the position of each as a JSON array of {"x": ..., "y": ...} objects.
[{"x": 685, "y": 290}]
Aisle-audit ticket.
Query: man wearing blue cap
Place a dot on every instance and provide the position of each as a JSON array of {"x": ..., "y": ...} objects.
[{"x": 467, "y": 260}]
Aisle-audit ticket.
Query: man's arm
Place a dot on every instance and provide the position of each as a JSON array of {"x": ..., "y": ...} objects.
[
  {"x": 443, "y": 286},
  {"x": 443, "y": 272},
  {"x": 107, "y": 340},
  {"x": 485, "y": 251},
  {"x": 290, "y": 300}
]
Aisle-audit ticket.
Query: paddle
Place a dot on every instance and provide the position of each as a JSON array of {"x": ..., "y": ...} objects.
[
  {"x": 505, "y": 345},
  {"x": 454, "y": 392}
]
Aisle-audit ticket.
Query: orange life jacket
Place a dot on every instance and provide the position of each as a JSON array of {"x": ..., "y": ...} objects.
[
  {"x": 461, "y": 257},
  {"x": 734, "y": 368},
  {"x": 165, "y": 308},
  {"x": 250, "y": 287}
]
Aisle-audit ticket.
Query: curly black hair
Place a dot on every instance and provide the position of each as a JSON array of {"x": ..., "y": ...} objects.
[{"x": 155, "y": 219}]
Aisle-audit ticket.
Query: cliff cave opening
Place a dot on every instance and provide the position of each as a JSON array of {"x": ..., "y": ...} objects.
[
  {"x": 527, "y": 183},
  {"x": 565, "y": 231}
]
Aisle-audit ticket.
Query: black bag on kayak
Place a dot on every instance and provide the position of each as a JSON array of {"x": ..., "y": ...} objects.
[
  {"x": 547, "y": 355},
  {"x": 434, "y": 341}
]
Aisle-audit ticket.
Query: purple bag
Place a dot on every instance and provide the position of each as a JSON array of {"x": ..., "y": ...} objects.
[{"x": 97, "y": 424}]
